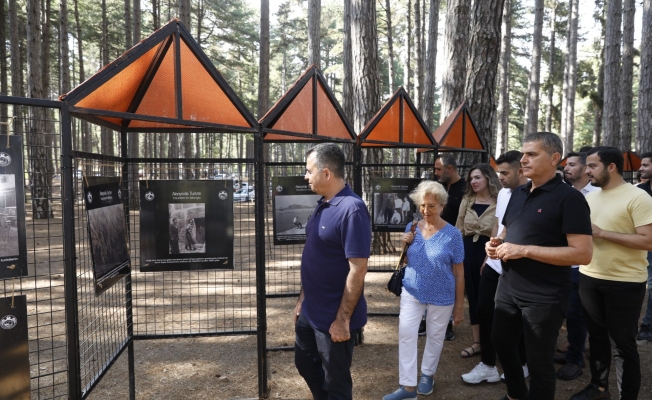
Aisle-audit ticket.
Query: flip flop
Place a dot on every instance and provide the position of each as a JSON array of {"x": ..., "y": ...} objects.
[{"x": 467, "y": 354}]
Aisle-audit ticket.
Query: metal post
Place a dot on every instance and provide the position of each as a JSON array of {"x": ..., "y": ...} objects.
[
  {"x": 357, "y": 168},
  {"x": 69, "y": 256},
  {"x": 418, "y": 169},
  {"x": 261, "y": 299}
]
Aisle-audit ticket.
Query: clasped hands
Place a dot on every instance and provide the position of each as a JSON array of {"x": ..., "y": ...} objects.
[{"x": 498, "y": 249}]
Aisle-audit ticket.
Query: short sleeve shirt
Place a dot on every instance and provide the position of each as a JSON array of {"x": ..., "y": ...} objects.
[
  {"x": 543, "y": 217},
  {"x": 429, "y": 273},
  {"x": 337, "y": 230},
  {"x": 452, "y": 207}
]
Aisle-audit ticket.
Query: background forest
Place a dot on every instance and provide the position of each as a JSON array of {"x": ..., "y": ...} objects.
[{"x": 568, "y": 66}]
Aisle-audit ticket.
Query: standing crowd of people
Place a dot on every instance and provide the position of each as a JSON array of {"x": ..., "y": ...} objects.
[{"x": 528, "y": 246}]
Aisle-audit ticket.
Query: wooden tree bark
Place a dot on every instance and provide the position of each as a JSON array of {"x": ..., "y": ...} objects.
[
  {"x": 314, "y": 21},
  {"x": 418, "y": 76},
  {"x": 570, "y": 80},
  {"x": 456, "y": 45},
  {"x": 611, "y": 115},
  {"x": 644, "y": 116},
  {"x": 390, "y": 47},
  {"x": 263, "y": 62},
  {"x": 138, "y": 16},
  {"x": 86, "y": 140},
  {"x": 598, "y": 99},
  {"x": 156, "y": 14},
  {"x": 532, "y": 111},
  {"x": 407, "y": 70},
  {"x": 128, "y": 32},
  {"x": 427, "y": 109},
  {"x": 551, "y": 66},
  {"x": 347, "y": 64},
  {"x": 184, "y": 12},
  {"x": 64, "y": 50},
  {"x": 627, "y": 75},
  {"x": 502, "y": 131},
  {"x": 484, "y": 51}
]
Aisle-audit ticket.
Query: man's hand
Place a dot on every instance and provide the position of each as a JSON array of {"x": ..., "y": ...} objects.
[
  {"x": 458, "y": 315},
  {"x": 597, "y": 231},
  {"x": 297, "y": 307},
  {"x": 339, "y": 331},
  {"x": 510, "y": 251},
  {"x": 491, "y": 246}
]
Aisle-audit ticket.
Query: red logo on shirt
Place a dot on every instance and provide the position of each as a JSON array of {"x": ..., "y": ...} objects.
[{"x": 539, "y": 210}]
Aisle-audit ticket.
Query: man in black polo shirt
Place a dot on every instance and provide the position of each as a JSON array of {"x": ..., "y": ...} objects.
[{"x": 547, "y": 229}]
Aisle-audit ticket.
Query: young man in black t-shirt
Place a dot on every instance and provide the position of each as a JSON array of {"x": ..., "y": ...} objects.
[{"x": 547, "y": 229}]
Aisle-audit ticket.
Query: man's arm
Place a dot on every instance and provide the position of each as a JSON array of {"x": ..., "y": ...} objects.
[
  {"x": 578, "y": 252},
  {"x": 641, "y": 240},
  {"x": 297, "y": 307},
  {"x": 339, "y": 329}
]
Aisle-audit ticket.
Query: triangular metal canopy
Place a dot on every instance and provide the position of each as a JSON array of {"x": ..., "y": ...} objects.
[
  {"x": 632, "y": 161},
  {"x": 458, "y": 133},
  {"x": 165, "y": 83},
  {"x": 308, "y": 111},
  {"x": 397, "y": 124}
]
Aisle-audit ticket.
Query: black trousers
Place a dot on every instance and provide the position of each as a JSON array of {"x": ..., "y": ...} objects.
[
  {"x": 539, "y": 325},
  {"x": 612, "y": 310},
  {"x": 485, "y": 313}
]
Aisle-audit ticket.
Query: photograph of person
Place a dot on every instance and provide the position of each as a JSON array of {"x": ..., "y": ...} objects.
[{"x": 187, "y": 230}]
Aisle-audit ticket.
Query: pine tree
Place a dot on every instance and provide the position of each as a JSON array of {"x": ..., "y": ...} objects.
[{"x": 644, "y": 116}]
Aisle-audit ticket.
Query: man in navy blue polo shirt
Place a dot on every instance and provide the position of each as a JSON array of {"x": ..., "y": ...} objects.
[
  {"x": 331, "y": 308},
  {"x": 547, "y": 229}
]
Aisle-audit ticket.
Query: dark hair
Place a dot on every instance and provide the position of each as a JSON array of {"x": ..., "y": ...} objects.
[
  {"x": 493, "y": 183},
  {"x": 447, "y": 159},
  {"x": 329, "y": 155},
  {"x": 585, "y": 149},
  {"x": 580, "y": 155},
  {"x": 512, "y": 157},
  {"x": 551, "y": 142},
  {"x": 608, "y": 155},
  {"x": 647, "y": 154}
]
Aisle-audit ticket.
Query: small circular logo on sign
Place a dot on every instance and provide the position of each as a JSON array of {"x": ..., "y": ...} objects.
[
  {"x": 8, "y": 322},
  {"x": 89, "y": 197},
  {"x": 149, "y": 195},
  {"x": 377, "y": 187},
  {"x": 279, "y": 188},
  {"x": 119, "y": 194},
  {"x": 5, "y": 159},
  {"x": 223, "y": 195}
]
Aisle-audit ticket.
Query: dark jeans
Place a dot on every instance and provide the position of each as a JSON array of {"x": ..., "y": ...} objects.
[
  {"x": 324, "y": 364},
  {"x": 575, "y": 323},
  {"x": 539, "y": 325},
  {"x": 486, "y": 305},
  {"x": 612, "y": 310}
]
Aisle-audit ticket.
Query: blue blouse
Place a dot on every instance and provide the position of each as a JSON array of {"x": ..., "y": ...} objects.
[{"x": 429, "y": 272}]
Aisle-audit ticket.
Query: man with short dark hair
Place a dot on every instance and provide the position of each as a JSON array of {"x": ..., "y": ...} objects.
[
  {"x": 331, "y": 308},
  {"x": 645, "y": 334},
  {"x": 612, "y": 285},
  {"x": 173, "y": 233},
  {"x": 547, "y": 229}
]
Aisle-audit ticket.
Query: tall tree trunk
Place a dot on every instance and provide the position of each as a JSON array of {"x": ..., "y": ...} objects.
[
  {"x": 16, "y": 70},
  {"x": 128, "y": 32},
  {"x": 263, "y": 66},
  {"x": 532, "y": 111},
  {"x": 86, "y": 138},
  {"x": 347, "y": 64},
  {"x": 598, "y": 99},
  {"x": 612, "y": 74},
  {"x": 105, "y": 134},
  {"x": 627, "y": 75},
  {"x": 570, "y": 80},
  {"x": 407, "y": 71},
  {"x": 418, "y": 76},
  {"x": 4, "y": 86},
  {"x": 156, "y": 14},
  {"x": 184, "y": 16},
  {"x": 502, "y": 131},
  {"x": 427, "y": 109},
  {"x": 314, "y": 21},
  {"x": 551, "y": 66},
  {"x": 184, "y": 12},
  {"x": 390, "y": 47},
  {"x": 484, "y": 51},
  {"x": 644, "y": 116},
  {"x": 456, "y": 45},
  {"x": 64, "y": 50},
  {"x": 138, "y": 16}
]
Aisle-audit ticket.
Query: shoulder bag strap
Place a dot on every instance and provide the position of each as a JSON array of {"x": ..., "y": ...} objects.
[{"x": 404, "y": 252}]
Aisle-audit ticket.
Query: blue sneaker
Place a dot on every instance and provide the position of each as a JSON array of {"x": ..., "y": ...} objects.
[
  {"x": 401, "y": 394},
  {"x": 425, "y": 384}
]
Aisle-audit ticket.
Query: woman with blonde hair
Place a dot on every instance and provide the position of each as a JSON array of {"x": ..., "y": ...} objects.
[
  {"x": 476, "y": 219},
  {"x": 434, "y": 281}
]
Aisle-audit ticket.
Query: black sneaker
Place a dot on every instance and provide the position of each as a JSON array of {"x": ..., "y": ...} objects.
[
  {"x": 450, "y": 334},
  {"x": 422, "y": 328},
  {"x": 569, "y": 372},
  {"x": 591, "y": 392},
  {"x": 645, "y": 333}
]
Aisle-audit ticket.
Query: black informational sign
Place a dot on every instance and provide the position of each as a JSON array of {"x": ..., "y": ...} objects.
[
  {"x": 293, "y": 203},
  {"x": 13, "y": 246},
  {"x": 186, "y": 225},
  {"x": 14, "y": 349},
  {"x": 107, "y": 231},
  {"x": 392, "y": 207}
]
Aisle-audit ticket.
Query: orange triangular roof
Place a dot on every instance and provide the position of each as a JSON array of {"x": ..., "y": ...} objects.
[
  {"x": 632, "y": 161},
  {"x": 397, "y": 124},
  {"x": 458, "y": 132},
  {"x": 165, "y": 82},
  {"x": 492, "y": 162},
  {"x": 563, "y": 161},
  {"x": 308, "y": 111}
]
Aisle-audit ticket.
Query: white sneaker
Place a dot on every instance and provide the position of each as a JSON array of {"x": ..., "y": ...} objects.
[
  {"x": 526, "y": 373},
  {"x": 481, "y": 373}
]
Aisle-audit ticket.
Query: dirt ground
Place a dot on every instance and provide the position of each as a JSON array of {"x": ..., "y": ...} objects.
[{"x": 226, "y": 368}]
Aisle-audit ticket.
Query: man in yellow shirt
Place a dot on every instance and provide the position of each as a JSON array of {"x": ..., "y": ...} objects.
[{"x": 612, "y": 285}]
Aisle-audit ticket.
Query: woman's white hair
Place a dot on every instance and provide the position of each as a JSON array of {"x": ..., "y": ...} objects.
[{"x": 429, "y": 187}]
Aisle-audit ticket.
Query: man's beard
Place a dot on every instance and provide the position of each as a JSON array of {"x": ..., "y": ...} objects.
[{"x": 602, "y": 180}]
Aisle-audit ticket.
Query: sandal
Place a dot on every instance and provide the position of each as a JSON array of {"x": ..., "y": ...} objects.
[{"x": 470, "y": 351}]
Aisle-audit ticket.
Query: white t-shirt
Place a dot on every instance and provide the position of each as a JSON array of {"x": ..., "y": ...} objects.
[
  {"x": 586, "y": 190},
  {"x": 501, "y": 205}
]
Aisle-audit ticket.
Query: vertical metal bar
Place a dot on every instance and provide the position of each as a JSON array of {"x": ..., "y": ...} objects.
[
  {"x": 314, "y": 104},
  {"x": 261, "y": 298},
  {"x": 418, "y": 171},
  {"x": 177, "y": 72},
  {"x": 357, "y": 168},
  {"x": 401, "y": 104},
  {"x": 69, "y": 256}
]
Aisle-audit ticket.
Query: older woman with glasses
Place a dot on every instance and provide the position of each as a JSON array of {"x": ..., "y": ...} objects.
[{"x": 434, "y": 281}]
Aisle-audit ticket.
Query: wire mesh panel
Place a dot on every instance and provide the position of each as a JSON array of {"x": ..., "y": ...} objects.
[{"x": 44, "y": 285}]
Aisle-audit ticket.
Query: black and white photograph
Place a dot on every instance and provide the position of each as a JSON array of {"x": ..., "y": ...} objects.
[
  {"x": 186, "y": 225},
  {"x": 13, "y": 244},
  {"x": 293, "y": 203},
  {"x": 107, "y": 231},
  {"x": 392, "y": 207},
  {"x": 14, "y": 349}
]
